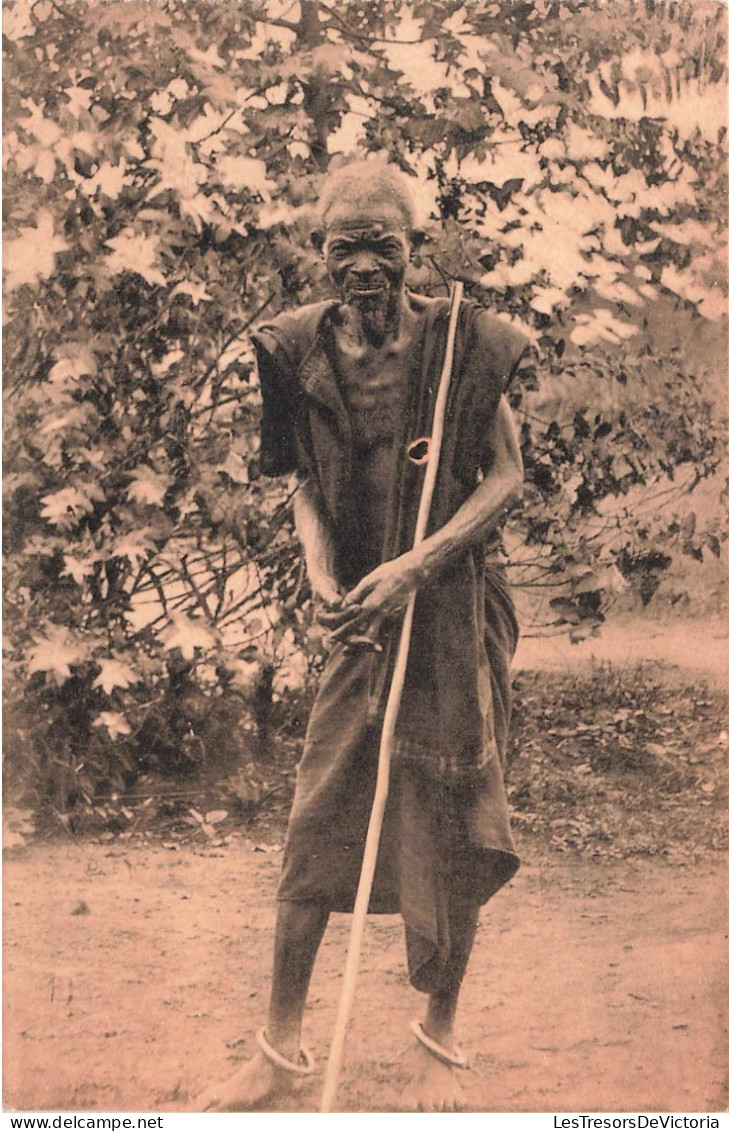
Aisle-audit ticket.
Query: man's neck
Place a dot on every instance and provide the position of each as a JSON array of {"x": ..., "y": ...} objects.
[{"x": 357, "y": 337}]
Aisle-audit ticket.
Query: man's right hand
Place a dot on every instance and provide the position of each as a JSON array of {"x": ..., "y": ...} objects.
[
  {"x": 331, "y": 614},
  {"x": 327, "y": 596},
  {"x": 329, "y": 611}
]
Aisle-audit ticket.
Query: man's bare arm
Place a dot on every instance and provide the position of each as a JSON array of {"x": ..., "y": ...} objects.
[
  {"x": 482, "y": 512},
  {"x": 316, "y": 542},
  {"x": 387, "y": 589}
]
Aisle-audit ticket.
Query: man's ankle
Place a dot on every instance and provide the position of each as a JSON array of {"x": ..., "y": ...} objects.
[
  {"x": 285, "y": 1040},
  {"x": 439, "y": 1029}
]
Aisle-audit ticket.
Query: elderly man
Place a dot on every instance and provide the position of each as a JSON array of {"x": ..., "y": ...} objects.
[{"x": 348, "y": 392}]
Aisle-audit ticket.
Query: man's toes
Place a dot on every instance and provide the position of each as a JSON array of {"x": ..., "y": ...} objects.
[
  {"x": 434, "y": 1086},
  {"x": 445, "y": 1095},
  {"x": 206, "y": 1101},
  {"x": 434, "y": 1100},
  {"x": 253, "y": 1083}
]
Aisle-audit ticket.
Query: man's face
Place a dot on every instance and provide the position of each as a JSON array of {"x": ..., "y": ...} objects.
[{"x": 367, "y": 256}]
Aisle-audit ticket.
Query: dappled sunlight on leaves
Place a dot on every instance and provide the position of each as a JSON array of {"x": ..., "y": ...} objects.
[
  {"x": 188, "y": 635},
  {"x": 115, "y": 724},
  {"x": 65, "y": 508},
  {"x": 31, "y": 257},
  {"x": 161, "y": 165},
  {"x": 55, "y": 653},
  {"x": 138, "y": 253},
  {"x": 114, "y": 674},
  {"x": 149, "y": 486}
]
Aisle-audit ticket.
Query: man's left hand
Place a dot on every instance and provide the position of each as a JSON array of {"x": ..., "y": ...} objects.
[{"x": 380, "y": 595}]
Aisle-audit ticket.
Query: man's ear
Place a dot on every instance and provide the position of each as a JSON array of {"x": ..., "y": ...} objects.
[
  {"x": 317, "y": 239},
  {"x": 416, "y": 239}
]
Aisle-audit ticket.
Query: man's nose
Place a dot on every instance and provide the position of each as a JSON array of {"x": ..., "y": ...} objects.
[{"x": 365, "y": 265}]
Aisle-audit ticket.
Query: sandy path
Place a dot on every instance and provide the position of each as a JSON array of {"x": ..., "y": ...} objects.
[
  {"x": 694, "y": 648},
  {"x": 592, "y": 987}
]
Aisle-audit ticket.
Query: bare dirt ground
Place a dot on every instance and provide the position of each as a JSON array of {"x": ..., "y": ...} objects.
[
  {"x": 592, "y": 987},
  {"x": 136, "y": 973},
  {"x": 693, "y": 647}
]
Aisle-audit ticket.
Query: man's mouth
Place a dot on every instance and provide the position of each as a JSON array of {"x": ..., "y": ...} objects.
[{"x": 365, "y": 292}]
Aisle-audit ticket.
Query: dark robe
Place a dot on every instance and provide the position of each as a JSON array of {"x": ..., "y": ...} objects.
[{"x": 446, "y": 831}]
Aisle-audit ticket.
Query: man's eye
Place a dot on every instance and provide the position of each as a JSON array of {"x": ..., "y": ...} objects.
[
  {"x": 390, "y": 249},
  {"x": 339, "y": 251}
]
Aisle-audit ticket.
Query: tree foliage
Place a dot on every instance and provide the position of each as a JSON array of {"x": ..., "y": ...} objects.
[{"x": 160, "y": 165}]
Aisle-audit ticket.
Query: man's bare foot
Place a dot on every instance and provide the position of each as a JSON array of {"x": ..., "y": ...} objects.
[
  {"x": 257, "y": 1080},
  {"x": 434, "y": 1085}
]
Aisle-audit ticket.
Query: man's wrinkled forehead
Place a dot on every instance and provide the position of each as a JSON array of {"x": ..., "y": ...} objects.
[
  {"x": 367, "y": 213},
  {"x": 365, "y": 227}
]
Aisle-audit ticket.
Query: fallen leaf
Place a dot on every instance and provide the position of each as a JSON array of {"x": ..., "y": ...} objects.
[{"x": 215, "y": 816}]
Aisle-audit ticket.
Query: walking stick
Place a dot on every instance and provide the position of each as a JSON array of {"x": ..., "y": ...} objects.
[{"x": 374, "y": 829}]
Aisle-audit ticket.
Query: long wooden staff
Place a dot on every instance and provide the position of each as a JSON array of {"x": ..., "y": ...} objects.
[{"x": 374, "y": 829}]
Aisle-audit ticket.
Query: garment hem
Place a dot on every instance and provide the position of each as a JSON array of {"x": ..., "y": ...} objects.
[{"x": 383, "y": 906}]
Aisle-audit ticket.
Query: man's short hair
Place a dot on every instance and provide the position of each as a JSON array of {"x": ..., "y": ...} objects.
[{"x": 366, "y": 183}]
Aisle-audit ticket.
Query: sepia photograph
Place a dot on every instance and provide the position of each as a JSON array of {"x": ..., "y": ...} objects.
[{"x": 366, "y": 609}]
